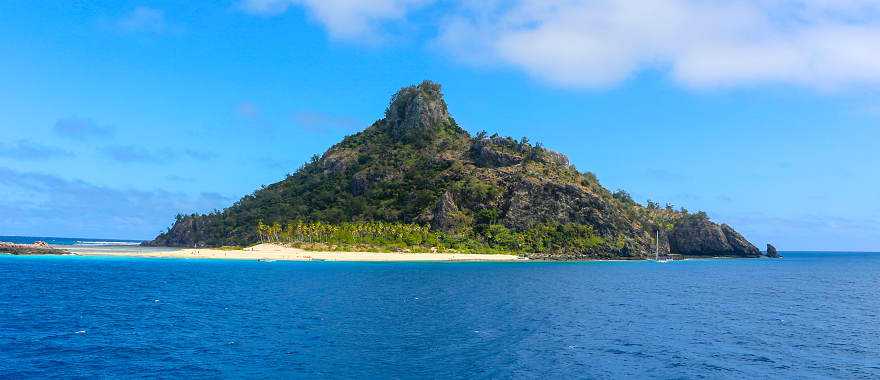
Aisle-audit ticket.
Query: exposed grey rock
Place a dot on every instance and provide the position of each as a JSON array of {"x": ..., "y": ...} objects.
[
  {"x": 363, "y": 180},
  {"x": 186, "y": 232},
  {"x": 359, "y": 183},
  {"x": 443, "y": 218},
  {"x": 772, "y": 252},
  {"x": 556, "y": 158},
  {"x": 697, "y": 236},
  {"x": 416, "y": 109},
  {"x": 336, "y": 162},
  {"x": 534, "y": 202},
  {"x": 488, "y": 155},
  {"x": 739, "y": 244},
  {"x": 37, "y": 248}
]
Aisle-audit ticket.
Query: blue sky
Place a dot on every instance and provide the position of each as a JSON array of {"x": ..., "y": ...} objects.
[{"x": 116, "y": 115}]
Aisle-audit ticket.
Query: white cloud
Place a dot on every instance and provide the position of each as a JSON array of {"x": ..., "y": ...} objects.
[
  {"x": 823, "y": 44},
  {"x": 344, "y": 19},
  {"x": 700, "y": 43},
  {"x": 143, "y": 19}
]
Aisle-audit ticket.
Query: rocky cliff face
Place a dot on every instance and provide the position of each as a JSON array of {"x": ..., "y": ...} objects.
[
  {"x": 443, "y": 218},
  {"x": 697, "y": 236},
  {"x": 416, "y": 165},
  {"x": 416, "y": 110},
  {"x": 188, "y": 231}
]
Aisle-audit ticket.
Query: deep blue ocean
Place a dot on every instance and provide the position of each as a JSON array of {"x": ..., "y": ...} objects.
[{"x": 809, "y": 315}]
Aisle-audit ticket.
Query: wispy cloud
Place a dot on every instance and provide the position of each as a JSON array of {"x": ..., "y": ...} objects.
[
  {"x": 724, "y": 198},
  {"x": 43, "y": 204},
  {"x": 247, "y": 110},
  {"x": 665, "y": 175},
  {"x": 809, "y": 231},
  {"x": 199, "y": 155},
  {"x": 128, "y": 154},
  {"x": 319, "y": 122},
  {"x": 599, "y": 43},
  {"x": 137, "y": 154},
  {"x": 266, "y": 7},
  {"x": 178, "y": 179},
  {"x": 343, "y": 19},
  {"x": 26, "y": 150},
  {"x": 274, "y": 163},
  {"x": 82, "y": 129},
  {"x": 822, "y": 44},
  {"x": 144, "y": 19}
]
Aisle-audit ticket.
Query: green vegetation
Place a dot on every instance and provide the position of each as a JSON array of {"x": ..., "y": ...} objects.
[
  {"x": 381, "y": 236},
  {"x": 231, "y": 248},
  {"x": 372, "y": 235}
]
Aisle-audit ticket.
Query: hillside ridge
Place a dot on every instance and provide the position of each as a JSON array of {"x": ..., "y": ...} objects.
[{"x": 416, "y": 166}]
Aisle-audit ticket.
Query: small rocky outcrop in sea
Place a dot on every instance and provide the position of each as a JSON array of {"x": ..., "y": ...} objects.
[
  {"x": 37, "y": 248},
  {"x": 772, "y": 252}
]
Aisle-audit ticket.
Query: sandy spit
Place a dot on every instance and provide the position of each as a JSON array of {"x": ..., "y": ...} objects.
[{"x": 268, "y": 252}]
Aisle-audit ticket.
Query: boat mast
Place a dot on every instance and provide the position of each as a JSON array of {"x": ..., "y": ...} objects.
[{"x": 657, "y": 247}]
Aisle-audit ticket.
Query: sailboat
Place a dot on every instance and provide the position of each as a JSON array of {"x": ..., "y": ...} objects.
[{"x": 666, "y": 258}]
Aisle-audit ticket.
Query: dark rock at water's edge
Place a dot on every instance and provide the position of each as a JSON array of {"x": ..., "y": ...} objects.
[
  {"x": 37, "y": 248},
  {"x": 697, "y": 236},
  {"x": 416, "y": 165},
  {"x": 772, "y": 252}
]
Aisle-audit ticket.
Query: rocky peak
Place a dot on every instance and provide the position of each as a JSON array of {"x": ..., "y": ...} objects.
[{"x": 417, "y": 108}]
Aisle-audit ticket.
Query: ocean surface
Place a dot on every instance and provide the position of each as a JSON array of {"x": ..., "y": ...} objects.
[
  {"x": 809, "y": 315},
  {"x": 85, "y": 242}
]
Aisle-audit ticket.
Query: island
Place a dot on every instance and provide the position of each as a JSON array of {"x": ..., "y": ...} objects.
[{"x": 415, "y": 181}]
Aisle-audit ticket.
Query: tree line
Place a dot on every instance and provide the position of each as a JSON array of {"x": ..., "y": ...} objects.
[{"x": 492, "y": 238}]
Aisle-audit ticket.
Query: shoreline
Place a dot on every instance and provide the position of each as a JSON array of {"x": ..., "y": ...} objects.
[{"x": 273, "y": 252}]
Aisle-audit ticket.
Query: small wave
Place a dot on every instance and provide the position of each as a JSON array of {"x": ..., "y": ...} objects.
[{"x": 106, "y": 243}]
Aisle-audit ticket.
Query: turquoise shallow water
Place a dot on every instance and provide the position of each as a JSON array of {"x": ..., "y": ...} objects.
[{"x": 810, "y": 315}]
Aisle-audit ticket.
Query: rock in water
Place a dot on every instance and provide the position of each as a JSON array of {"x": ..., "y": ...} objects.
[
  {"x": 772, "y": 252},
  {"x": 38, "y": 248}
]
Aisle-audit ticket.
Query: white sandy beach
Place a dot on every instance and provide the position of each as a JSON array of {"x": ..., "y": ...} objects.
[{"x": 278, "y": 252}]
